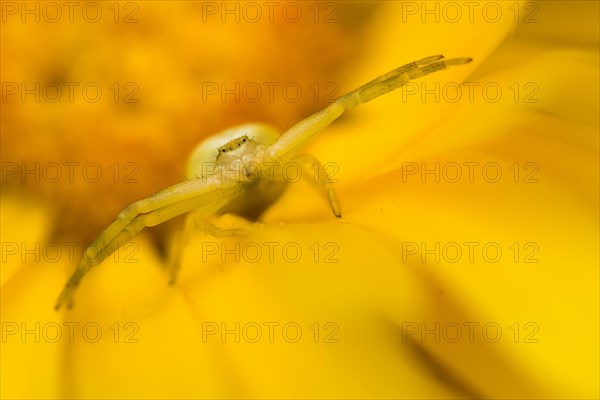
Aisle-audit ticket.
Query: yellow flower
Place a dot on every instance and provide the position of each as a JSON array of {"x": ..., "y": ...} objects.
[{"x": 465, "y": 264}]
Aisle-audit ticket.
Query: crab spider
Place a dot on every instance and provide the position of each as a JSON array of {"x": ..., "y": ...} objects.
[{"x": 243, "y": 177}]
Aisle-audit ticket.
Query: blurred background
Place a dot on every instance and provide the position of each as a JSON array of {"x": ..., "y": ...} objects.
[
  {"x": 167, "y": 79},
  {"x": 102, "y": 102}
]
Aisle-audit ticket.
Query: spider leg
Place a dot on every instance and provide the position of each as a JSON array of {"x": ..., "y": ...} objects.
[
  {"x": 397, "y": 78},
  {"x": 151, "y": 211},
  {"x": 214, "y": 231},
  {"x": 194, "y": 221},
  {"x": 321, "y": 179},
  {"x": 295, "y": 138},
  {"x": 406, "y": 68}
]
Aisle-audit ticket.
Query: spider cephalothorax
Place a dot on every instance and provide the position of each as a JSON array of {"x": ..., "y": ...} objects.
[
  {"x": 240, "y": 159},
  {"x": 234, "y": 180}
]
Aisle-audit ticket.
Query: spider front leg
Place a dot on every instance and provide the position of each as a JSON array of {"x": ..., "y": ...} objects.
[
  {"x": 317, "y": 175},
  {"x": 207, "y": 196},
  {"x": 295, "y": 138}
]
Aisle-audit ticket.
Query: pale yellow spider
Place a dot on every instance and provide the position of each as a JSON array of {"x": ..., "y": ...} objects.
[{"x": 244, "y": 177}]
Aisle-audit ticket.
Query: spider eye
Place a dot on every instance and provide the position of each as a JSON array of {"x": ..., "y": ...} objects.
[{"x": 223, "y": 150}]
